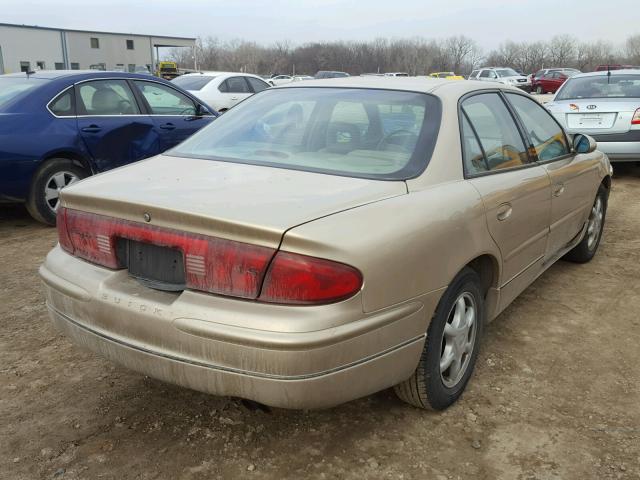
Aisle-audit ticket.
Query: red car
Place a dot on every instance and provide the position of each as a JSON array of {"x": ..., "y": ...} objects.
[{"x": 551, "y": 81}]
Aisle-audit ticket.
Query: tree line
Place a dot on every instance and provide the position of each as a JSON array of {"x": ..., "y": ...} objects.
[{"x": 416, "y": 56}]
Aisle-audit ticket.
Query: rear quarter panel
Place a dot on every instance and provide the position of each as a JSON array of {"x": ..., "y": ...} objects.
[
  {"x": 25, "y": 140},
  {"x": 405, "y": 246}
]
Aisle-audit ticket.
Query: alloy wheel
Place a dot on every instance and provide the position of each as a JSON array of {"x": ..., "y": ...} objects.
[
  {"x": 594, "y": 227},
  {"x": 458, "y": 340},
  {"x": 54, "y": 184}
]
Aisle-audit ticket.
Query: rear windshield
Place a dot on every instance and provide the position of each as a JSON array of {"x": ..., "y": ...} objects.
[
  {"x": 601, "y": 86},
  {"x": 195, "y": 82},
  {"x": 366, "y": 133},
  {"x": 14, "y": 88}
]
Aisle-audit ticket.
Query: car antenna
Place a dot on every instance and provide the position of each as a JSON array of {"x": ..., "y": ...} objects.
[{"x": 29, "y": 72}]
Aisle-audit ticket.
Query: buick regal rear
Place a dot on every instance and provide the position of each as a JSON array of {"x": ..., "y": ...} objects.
[{"x": 198, "y": 267}]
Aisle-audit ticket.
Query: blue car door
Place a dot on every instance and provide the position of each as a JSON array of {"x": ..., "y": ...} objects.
[
  {"x": 112, "y": 125},
  {"x": 175, "y": 115}
]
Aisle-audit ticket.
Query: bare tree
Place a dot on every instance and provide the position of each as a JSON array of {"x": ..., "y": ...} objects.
[
  {"x": 633, "y": 49},
  {"x": 416, "y": 56},
  {"x": 459, "y": 49}
]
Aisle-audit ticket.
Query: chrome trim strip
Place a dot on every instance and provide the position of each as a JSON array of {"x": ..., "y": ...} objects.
[{"x": 119, "y": 78}]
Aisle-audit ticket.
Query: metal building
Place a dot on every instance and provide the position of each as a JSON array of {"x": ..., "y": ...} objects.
[{"x": 25, "y": 48}]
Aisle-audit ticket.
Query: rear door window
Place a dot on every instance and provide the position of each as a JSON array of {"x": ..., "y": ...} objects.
[
  {"x": 107, "y": 97},
  {"x": 496, "y": 131},
  {"x": 257, "y": 85},
  {"x": 237, "y": 85}
]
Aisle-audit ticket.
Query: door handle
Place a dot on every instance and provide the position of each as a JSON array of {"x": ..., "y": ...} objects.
[
  {"x": 558, "y": 189},
  {"x": 168, "y": 126},
  {"x": 234, "y": 98},
  {"x": 91, "y": 129},
  {"x": 504, "y": 211}
]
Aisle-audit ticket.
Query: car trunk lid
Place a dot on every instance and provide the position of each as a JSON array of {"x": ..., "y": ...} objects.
[
  {"x": 594, "y": 116},
  {"x": 247, "y": 203}
]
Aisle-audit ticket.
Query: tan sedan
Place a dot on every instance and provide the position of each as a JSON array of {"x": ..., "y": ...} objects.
[{"x": 325, "y": 240}]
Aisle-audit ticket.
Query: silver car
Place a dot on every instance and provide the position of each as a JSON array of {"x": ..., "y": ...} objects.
[
  {"x": 606, "y": 106},
  {"x": 506, "y": 76}
]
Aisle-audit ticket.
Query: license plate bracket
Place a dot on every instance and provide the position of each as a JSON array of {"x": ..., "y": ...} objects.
[{"x": 156, "y": 266}]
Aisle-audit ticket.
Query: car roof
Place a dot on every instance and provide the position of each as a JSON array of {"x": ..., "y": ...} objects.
[
  {"x": 75, "y": 74},
  {"x": 409, "y": 84},
  {"x": 604, "y": 73}
]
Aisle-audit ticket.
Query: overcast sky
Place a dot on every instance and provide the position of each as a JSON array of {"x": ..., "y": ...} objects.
[{"x": 490, "y": 22}]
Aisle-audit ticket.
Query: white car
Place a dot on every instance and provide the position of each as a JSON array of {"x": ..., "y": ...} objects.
[
  {"x": 280, "y": 80},
  {"x": 300, "y": 78},
  {"x": 221, "y": 90},
  {"x": 506, "y": 76}
]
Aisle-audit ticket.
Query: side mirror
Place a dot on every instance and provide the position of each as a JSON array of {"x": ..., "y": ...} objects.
[{"x": 584, "y": 143}]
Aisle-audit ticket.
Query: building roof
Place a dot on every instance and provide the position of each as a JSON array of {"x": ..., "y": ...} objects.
[{"x": 93, "y": 31}]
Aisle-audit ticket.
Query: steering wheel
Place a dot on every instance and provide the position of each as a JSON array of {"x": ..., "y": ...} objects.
[{"x": 386, "y": 139}]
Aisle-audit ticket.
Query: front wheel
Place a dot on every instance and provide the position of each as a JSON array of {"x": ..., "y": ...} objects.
[
  {"x": 46, "y": 185},
  {"x": 586, "y": 249},
  {"x": 451, "y": 348},
  {"x": 539, "y": 90}
]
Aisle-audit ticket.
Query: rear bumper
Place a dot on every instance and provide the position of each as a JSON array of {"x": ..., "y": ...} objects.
[
  {"x": 237, "y": 348},
  {"x": 621, "y": 146}
]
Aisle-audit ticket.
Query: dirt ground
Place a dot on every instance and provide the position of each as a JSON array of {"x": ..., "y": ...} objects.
[{"x": 555, "y": 396}]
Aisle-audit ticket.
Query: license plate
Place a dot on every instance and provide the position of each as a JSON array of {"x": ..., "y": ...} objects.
[
  {"x": 591, "y": 119},
  {"x": 155, "y": 266}
]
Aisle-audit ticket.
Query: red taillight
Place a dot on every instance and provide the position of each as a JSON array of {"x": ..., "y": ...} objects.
[
  {"x": 635, "y": 120},
  {"x": 302, "y": 280},
  {"x": 214, "y": 265},
  {"x": 63, "y": 234}
]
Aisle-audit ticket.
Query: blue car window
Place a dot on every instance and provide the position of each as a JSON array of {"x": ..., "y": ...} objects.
[
  {"x": 107, "y": 97},
  {"x": 62, "y": 105},
  {"x": 165, "y": 100}
]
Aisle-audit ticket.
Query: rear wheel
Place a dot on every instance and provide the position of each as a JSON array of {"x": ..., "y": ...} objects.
[
  {"x": 46, "y": 185},
  {"x": 586, "y": 249},
  {"x": 451, "y": 348}
]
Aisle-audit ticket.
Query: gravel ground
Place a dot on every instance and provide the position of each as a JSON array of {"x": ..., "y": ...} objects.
[{"x": 555, "y": 394}]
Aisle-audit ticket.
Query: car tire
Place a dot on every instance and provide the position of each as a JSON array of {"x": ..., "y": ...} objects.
[
  {"x": 50, "y": 178},
  {"x": 586, "y": 249},
  {"x": 539, "y": 90},
  {"x": 429, "y": 387}
]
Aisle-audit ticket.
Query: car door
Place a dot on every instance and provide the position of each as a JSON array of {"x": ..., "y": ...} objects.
[
  {"x": 232, "y": 91},
  {"x": 112, "y": 125},
  {"x": 552, "y": 81},
  {"x": 572, "y": 176},
  {"x": 515, "y": 191},
  {"x": 174, "y": 114}
]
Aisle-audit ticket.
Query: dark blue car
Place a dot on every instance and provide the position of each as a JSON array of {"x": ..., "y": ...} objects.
[{"x": 60, "y": 126}]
